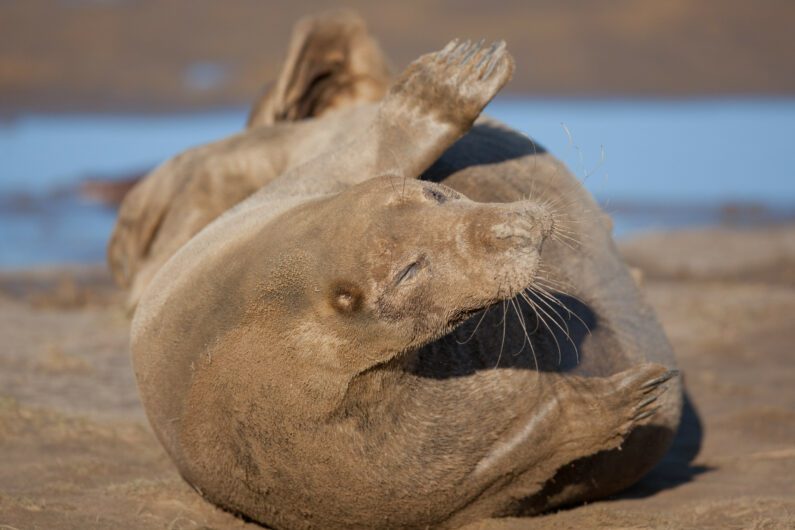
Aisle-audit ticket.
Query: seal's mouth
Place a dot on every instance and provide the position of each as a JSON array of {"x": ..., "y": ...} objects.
[
  {"x": 460, "y": 317},
  {"x": 533, "y": 296},
  {"x": 508, "y": 292}
]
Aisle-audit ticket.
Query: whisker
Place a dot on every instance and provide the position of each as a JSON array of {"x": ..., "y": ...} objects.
[
  {"x": 521, "y": 323},
  {"x": 560, "y": 228},
  {"x": 502, "y": 342},
  {"x": 548, "y": 284},
  {"x": 553, "y": 311},
  {"x": 542, "y": 292},
  {"x": 538, "y": 311},
  {"x": 485, "y": 311},
  {"x": 598, "y": 164},
  {"x": 560, "y": 327},
  {"x": 562, "y": 234},
  {"x": 564, "y": 242},
  {"x": 527, "y": 340},
  {"x": 502, "y": 320}
]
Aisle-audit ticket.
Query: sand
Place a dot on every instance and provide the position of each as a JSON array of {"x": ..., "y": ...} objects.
[{"x": 76, "y": 450}]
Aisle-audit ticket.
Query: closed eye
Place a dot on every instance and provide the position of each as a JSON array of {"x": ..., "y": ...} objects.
[{"x": 410, "y": 271}]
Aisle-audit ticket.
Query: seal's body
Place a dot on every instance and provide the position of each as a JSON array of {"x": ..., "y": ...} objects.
[{"x": 352, "y": 347}]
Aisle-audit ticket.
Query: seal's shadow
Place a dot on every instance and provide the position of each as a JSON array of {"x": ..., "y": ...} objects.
[
  {"x": 498, "y": 338},
  {"x": 483, "y": 145}
]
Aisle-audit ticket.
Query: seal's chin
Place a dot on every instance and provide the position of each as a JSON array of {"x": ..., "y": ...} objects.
[
  {"x": 459, "y": 318},
  {"x": 522, "y": 279},
  {"x": 462, "y": 316}
]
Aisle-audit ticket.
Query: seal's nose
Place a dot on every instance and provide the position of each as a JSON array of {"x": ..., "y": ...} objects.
[
  {"x": 538, "y": 217},
  {"x": 524, "y": 222}
]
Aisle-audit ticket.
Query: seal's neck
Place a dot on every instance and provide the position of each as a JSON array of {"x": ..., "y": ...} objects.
[{"x": 372, "y": 391}]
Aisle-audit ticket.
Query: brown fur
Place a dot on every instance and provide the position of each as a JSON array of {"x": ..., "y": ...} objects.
[{"x": 317, "y": 356}]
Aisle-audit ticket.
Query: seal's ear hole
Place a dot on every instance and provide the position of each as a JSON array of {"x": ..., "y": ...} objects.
[{"x": 346, "y": 297}]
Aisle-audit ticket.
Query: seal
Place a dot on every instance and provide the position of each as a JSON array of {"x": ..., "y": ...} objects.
[{"x": 351, "y": 347}]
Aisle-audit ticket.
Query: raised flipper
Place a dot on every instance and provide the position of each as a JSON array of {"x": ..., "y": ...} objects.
[
  {"x": 431, "y": 105},
  {"x": 332, "y": 62}
]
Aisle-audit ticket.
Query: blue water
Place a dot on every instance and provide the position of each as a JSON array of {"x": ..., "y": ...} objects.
[
  {"x": 692, "y": 155},
  {"x": 693, "y": 151}
]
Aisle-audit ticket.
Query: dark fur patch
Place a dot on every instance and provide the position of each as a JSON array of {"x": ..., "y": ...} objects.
[{"x": 435, "y": 195}]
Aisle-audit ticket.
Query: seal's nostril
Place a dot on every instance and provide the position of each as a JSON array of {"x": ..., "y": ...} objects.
[
  {"x": 547, "y": 225},
  {"x": 544, "y": 222}
]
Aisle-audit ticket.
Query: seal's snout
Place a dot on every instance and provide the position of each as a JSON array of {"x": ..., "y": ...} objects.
[
  {"x": 541, "y": 219},
  {"x": 526, "y": 222}
]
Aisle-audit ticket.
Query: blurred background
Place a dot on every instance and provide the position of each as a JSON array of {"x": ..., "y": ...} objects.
[{"x": 674, "y": 114}]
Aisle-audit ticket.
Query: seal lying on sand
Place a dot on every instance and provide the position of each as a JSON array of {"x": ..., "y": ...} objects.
[{"x": 351, "y": 347}]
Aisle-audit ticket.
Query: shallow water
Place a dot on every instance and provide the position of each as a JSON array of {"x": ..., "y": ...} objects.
[{"x": 652, "y": 164}]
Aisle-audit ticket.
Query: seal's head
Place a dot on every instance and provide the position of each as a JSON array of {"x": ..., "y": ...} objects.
[
  {"x": 392, "y": 264},
  {"x": 280, "y": 315}
]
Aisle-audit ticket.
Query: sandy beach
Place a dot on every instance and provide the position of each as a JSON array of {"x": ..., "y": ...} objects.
[{"x": 77, "y": 451}]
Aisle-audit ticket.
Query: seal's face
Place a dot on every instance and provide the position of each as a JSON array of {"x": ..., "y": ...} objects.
[{"x": 398, "y": 263}]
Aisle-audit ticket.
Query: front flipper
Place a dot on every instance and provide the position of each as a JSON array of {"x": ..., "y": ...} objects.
[
  {"x": 576, "y": 417},
  {"x": 437, "y": 98},
  {"x": 431, "y": 105},
  {"x": 613, "y": 407}
]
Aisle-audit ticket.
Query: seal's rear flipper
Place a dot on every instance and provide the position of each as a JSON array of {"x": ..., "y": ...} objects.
[{"x": 332, "y": 62}]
